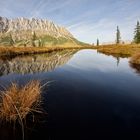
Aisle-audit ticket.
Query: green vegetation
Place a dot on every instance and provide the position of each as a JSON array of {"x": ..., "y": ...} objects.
[
  {"x": 7, "y": 40},
  {"x": 80, "y": 43},
  {"x": 11, "y": 40},
  {"x": 38, "y": 41},
  {"x": 54, "y": 41},
  {"x": 137, "y": 33},
  {"x": 33, "y": 39}
]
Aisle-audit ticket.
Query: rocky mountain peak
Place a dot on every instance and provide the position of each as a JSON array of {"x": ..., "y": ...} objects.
[{"x": 20, "y": 27}]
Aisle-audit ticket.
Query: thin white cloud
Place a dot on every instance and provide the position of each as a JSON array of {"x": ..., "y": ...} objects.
[
  {"x": 86, "y": 19},
  {"x": 36, "y": 9}
]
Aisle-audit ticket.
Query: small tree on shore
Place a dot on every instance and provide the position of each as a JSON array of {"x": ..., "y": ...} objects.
[
  {"x": 34, "y": 38},
  {"x": 137, "y": 33},
  {"x": 118, "y": 36},
  {"x": 11, "y": 41},
  {"x": 98, "y": 42}
]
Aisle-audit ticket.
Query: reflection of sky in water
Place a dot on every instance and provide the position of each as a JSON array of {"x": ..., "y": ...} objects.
[
  {"x": 101, "y": 70},
  {"x": 91, "y": 60}
]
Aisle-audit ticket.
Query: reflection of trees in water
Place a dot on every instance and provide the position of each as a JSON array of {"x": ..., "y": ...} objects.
[
  {"x": 118, "y": 61},
  {"x": 35, "y": 63},
  {"x": 136, "y": 67},
  {"x": 116, "y": 55}
]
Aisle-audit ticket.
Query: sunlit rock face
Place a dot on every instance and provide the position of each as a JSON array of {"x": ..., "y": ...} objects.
[
  {"x": 34, "y": 64},
  {"x": 4, "y": 22},
  {"x": 23, "y": 28}
]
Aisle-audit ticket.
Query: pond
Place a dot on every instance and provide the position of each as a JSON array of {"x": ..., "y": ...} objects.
[{"x": 89, "y": 96}]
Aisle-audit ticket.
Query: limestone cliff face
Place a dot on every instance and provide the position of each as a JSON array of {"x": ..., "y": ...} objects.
[{"x": 23, "y": 28}]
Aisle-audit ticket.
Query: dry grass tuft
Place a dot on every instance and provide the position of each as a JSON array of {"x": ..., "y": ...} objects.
[
  {"x": 17, "y": 102},
  {"x": 135, "y": 59}
]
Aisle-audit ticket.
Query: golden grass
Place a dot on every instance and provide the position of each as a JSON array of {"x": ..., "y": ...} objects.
[
  {"x": 129, "y": 50},
  {"x": 135, "y": 59},
  {"x": 10, "y": 51},
  {"x": 24, "y": 50},
  {"x": 17, "y": 102}
]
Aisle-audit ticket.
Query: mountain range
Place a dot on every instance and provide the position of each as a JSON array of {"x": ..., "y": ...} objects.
[{"x": 33, "y": 32}]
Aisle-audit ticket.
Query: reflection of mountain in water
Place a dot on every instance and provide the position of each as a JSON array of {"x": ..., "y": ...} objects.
[{"x": 35, "y": 63}]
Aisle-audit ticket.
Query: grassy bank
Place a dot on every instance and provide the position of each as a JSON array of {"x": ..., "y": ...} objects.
[
  {"x": 132, "y": 50},
  {"x": 11, "y": 51},
  {"x": 119, "y": 49},
  {"x": 135, "y": 59}
]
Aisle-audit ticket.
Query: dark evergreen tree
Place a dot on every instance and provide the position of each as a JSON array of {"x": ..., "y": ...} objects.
[
  {"x": 137, "y": 33},
  {"x": 11, "y": 40},
  {"x": 118, "y": 36},
  {"x": 34, "y": 38},
  {"x": 98, "y": 42},
  {"x": 25, "y": 44},
  {"x": 39, "y": 43}
]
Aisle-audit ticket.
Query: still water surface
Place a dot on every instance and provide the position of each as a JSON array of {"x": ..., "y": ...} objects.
[{"x": 90, "y": 95}]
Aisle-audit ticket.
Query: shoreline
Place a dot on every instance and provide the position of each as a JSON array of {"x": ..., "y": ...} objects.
[
  {"x": 130, "y": 50},
  {"x": 16, "y": 51},
  {"x": 121, "y": 50}
]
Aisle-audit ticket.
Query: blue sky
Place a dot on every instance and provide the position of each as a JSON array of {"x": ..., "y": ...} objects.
[{"x": 87, "y": 20}]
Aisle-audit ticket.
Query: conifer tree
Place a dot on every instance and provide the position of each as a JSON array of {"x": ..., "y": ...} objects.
[
  {"x": 11, "y": 40},
  {"x": 137, "y": 33},
  {"x": 118, "y": 36},
  {"x": 33, "y": 39},
  {"x": 34, "y": 36},
  {"x": 98, "y": 42}
]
